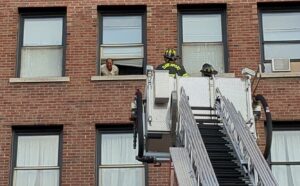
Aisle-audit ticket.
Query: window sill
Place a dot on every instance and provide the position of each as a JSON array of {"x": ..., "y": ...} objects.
[
  {"x": 280, "y": 75},
  {"x": 39, "y": 79},
  {"x": 118, "y": 78}
]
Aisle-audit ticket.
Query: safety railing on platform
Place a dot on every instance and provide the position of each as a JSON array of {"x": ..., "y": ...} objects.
[
  {"x": 244, "y": 143},
  {"x": 189, "y": 136}
]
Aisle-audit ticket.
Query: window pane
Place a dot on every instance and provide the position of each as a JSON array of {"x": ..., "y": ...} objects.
[
  {"x": 43, "y": 31},
  {"x": 282, "y": 51},
  {"x": 292, "y": 144},
  {"x": 202, "y": 28},
  {"x": 194, "y": 56},
  {"x": 295, "y": 169},
  {"x": 122, "y": 29},
  {"x": 287, "y": 174},
  {"x": 130, "y": 63},
  {"x": 281, "y": 174},
  {"x": 285, "y": 146},
  {"x": 122, "y": 176},
  {"x": 281, "y": 26},
  {"x": 122, "y": 52},
  {"x": 278, "y": 150},
  {"x": 36, "y": 177},
  {"x": 41, "y": 62},
  {"x": 118, "y": 149},
  {"x": 37, "y": 151}
]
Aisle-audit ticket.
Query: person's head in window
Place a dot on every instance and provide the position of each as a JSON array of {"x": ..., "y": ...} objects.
[
  {"x": 170, "y": 64},
  {"x": 109, "y": 69}
]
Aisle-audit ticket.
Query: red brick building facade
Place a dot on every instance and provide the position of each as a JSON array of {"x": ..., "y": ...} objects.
[{"x": 79, "y": 102}]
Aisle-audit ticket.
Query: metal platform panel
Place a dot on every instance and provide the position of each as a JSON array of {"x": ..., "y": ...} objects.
[
  {"x": 197, "y": 90},
  {"x": 201, "y": 92},
  {"x": 158, "y": 107},
  {"x": 235, "y": 89}
]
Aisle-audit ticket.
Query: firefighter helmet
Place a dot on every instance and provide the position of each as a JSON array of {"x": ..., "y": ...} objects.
[
  {"x": 208, "y": 70},
  {"x": 170, "y": 54}
]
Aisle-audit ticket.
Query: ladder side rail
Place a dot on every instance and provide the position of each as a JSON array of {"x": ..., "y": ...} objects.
[
  {"x": 238, "y": 145},
  {"x": 245, "y": 144},
  {"x": 254, "y": 150},
  {"x": 236, "y": 140},
  {"x": 251, "y": 147},
  {"x": 194, "y": 143},
  {"x": 196, "y": 151},
  {"x": 258, "y": 162},
  {"x": 198, "y": 158}
]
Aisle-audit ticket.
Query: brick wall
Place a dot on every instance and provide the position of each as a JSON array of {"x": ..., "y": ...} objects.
[
  {"x": 159, "y": 174},
  {"x": 80, "y": 104}
]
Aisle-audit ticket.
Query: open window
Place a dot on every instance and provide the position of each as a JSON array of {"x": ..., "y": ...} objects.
[{"x": 122, "y": 38}]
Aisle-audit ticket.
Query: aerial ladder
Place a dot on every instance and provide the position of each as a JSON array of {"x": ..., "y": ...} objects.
[{"x": 205, "y": 125}]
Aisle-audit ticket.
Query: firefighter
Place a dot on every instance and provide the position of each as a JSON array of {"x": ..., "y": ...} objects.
[
  {"x": 208, "y": 70},
  {"x": 171, "y": 65}
]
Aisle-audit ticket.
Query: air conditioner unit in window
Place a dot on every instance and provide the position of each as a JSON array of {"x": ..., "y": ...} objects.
[{"x": 281, "y": 65}]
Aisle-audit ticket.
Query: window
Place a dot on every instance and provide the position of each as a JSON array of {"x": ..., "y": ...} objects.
[
  {"x": 117, "y": 165},
  {"x": 122, "y": 38},
  {"x": 280, "y": 37},
  {"x": 42, "y": 43},
  {"x": 285, "y": 155},
  {"x": 203, "y": 40},
  {"x": 36, "y": 158}
]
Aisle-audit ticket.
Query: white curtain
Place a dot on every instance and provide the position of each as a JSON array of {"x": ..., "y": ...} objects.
[
  {"x": 117, "y": 149},
  {"x": 41, "y": 62},
  {"x": 285, "y": 148},
  {"x": 36, "y": 178},
  {"x": 280, "y": 172},
  {"x": 122, "y": 176},
  {"x": 34, "y": 152},
  {"x": 194, "y": 56}
]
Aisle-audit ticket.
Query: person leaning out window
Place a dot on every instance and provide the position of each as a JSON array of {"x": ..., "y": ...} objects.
[{"x": 109, "y": 69}]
